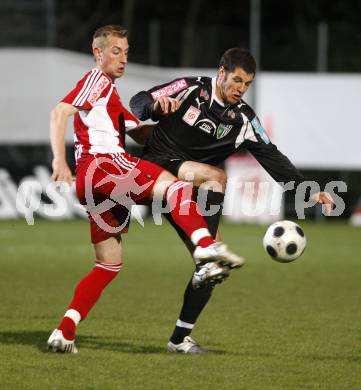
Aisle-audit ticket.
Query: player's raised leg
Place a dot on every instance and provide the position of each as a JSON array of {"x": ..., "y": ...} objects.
[{"x": 186, "y": 214}]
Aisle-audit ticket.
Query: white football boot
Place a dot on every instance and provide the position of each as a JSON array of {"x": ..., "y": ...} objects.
[
  {"x": 58, "y": 343},
  {"x": 217, "y": 253},
  {"x": 209, "y": 274},
  {"x": 187, "y": 346}
]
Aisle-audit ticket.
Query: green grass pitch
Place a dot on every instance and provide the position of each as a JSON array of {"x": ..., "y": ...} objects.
[{"x": 270, "y": 326}]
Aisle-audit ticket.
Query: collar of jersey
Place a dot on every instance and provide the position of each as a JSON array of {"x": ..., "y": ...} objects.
[{"x": 214, "y": 96}]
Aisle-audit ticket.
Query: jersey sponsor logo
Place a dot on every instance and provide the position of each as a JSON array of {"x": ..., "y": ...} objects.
[
  {"x": 206, "y": 125},
  {"x": 223, "y": 130},
  {"x": 170, "y": 89},
  {"x": 97, "y": 90},
  {"x": 258, "y": 128},
  {"x": 231, "y": 114},
  {"x": 204, "y": 94},
  {"x": 191, "y": 115},
  {"x": 207, "y": 128},
  {"x": 199, "y": 103},
  {"x": 256, "y": 123}
]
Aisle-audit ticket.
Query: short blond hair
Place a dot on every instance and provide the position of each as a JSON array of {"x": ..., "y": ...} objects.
[{"x": 102, "y": 34}]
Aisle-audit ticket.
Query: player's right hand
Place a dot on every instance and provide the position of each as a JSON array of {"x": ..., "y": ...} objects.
[
  {"x": 165, "y": 105},
  {"x": 326, "y": 199},
  {"x": 61, "y": 172}
]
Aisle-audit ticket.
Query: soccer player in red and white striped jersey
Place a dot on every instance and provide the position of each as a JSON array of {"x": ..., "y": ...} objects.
[{"x": 105, "y": 172}]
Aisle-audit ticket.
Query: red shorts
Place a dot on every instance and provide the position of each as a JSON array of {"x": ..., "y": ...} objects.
[{"x": 108, "y": 185}]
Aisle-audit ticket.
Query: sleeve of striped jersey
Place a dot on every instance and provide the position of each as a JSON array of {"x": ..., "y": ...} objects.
[
  {"x": 88, "y": 90},
  {"x": 130, "y": 121}
]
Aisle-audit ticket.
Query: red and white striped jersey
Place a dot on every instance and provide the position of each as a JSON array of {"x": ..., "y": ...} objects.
[{"x": 101, "y": 123}]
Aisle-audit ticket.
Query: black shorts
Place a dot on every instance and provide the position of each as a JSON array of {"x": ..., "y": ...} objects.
[{"x": 169, "y": 163}]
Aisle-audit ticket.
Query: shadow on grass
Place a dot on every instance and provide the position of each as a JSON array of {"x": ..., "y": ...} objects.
[
  {"x": 35, "y": 338},
  {"x": 38, "y": 340}
]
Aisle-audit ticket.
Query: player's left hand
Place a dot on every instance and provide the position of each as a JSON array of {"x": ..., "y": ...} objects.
[
  {"x": 326, "y": 199},
  {"x": 165, "y": 105}
]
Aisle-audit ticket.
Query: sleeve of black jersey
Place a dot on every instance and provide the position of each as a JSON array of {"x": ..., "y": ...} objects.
[
  {"x": 274, "y": 162},
  {"x": 141, "y": 104}
]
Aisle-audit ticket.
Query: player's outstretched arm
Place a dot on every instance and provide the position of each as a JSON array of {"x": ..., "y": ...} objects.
[
  {"x": 282, "y": 170},
  {"x": 58, "y": 125},
  {"x": 274, "y": 162}
]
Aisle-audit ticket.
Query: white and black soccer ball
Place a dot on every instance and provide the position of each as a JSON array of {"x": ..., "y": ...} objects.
[{"x": 284, "y": 241}]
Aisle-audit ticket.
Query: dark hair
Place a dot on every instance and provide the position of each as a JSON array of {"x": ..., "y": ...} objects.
[{"x": 238, "y": 58}]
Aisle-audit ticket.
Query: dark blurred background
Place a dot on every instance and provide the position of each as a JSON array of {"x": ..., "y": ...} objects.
[
  {"x": 293, "y": 35},
  {"x": 285, "y": 36}
]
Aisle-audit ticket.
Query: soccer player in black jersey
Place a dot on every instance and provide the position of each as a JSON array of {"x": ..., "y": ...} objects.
[{"x": 201, "y": 122}]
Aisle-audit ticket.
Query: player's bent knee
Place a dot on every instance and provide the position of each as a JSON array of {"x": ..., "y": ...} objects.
[
  {"x": 109, "y": 251},
  {"x": 214, "y": 179},
  {"x": 220, "y": 177},
  {"x": 162, "y": 184},
  {"x": 204, "y": 175}
]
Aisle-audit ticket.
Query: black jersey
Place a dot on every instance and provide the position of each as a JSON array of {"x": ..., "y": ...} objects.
[{"x": 205, "y": 130}]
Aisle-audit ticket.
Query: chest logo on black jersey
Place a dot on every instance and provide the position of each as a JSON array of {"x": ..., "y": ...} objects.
[
  {"x": 223, "y": 130},
  {"x": 207, "y": 125},
  {"x": 231, "y": 114},
  {"x": 204, "y": 94},
  {"x": 191, "y": 115}
]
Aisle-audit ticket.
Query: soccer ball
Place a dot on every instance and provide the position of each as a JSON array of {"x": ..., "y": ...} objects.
[{"x": 284, "y": 241}]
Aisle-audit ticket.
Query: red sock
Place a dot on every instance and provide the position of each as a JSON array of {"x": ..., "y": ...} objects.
[
  {"x": 67, "y": 326},
  {"x": 206, "y": 241},
  {"x": 86, "y": 294},
  {"x": 186, "y": 214}
]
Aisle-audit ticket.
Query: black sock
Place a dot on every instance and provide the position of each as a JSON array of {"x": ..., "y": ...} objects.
[
  {"x": 193, "y": 304},
  {"x": 212, "y": 200},
  {"x": 195, "y": 299}
]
